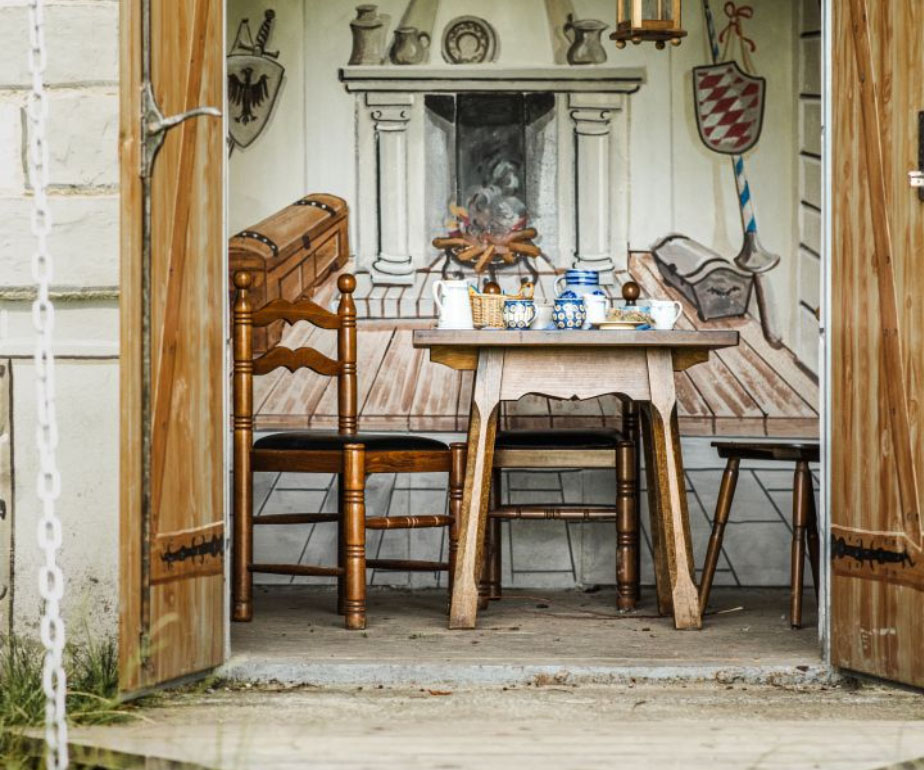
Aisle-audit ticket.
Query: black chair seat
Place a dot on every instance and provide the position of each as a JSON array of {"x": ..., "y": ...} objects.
[
  {"x": 320, "y": 440},
  {"x": 768, "y": 450},
  {"x": 570, "y": 438}
]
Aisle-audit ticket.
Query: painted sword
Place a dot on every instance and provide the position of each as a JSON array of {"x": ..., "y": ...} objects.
[{"x": 753, "y": 257}]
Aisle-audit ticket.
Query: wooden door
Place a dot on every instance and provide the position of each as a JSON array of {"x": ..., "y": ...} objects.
[
  {"x": 172, "y": 607},
  {"x": 876, "y": 327}
]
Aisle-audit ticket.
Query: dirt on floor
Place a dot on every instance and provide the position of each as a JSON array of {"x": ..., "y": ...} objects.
[{"x": 542, "y": 725}]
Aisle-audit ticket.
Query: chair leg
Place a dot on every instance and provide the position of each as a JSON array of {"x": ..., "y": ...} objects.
[
  {"x": 242, "y": 551},
  {"x": 456, "y": 492},
  {"x": 811, "y": 534},
  {"x": 722, "y": 511},
  {"x": 489, "y": 587},
  {"x": 633, "y": 432},
  {"x": 354, "y": 530},
  {"x": 800, "y": 492},
  {"x": 341, "y": 556},
  {"x": 627, "y": 539}
]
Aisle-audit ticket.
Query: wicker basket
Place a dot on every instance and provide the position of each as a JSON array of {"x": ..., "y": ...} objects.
[{"x": 488, "y": 311}]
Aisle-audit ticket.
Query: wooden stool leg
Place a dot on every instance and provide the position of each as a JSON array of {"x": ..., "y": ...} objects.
[
  {"x": 627, "y": 539},
  {"x": 800, "y": 505},
  {"x": 341, "y": 542},
  {"x": 456, "y": 492},
  {"x": 489, "y": 587},
  {"x": 722, "y": 512},
  {"x": 811, "y": 534},
  {"x": 354, "y": 530}
]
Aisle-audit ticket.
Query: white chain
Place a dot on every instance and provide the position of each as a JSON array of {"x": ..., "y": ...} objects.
[{"x": 50, "y": 578}]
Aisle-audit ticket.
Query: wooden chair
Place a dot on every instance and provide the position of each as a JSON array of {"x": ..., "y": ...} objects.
[
  {"x": 581, "y": 448},
  {"x": 345, "y": 452},
  {"x": 804, "y": 515}
]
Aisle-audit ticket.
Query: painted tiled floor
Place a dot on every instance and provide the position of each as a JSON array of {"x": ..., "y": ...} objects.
[{"x": 540, "y": 554}]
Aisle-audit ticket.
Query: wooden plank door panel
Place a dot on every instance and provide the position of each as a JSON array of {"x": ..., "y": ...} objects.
[
  {"x": 173, "y": 548},
  {"x": 875, "y": 328}
]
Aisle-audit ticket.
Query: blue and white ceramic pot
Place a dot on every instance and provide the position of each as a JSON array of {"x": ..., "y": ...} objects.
[
  {"x": 568, "y": 312},
  {"x": 580, "y": 282}
]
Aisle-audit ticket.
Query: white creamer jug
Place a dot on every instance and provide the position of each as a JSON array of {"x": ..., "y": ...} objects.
[{"x": 453, "y": 304}]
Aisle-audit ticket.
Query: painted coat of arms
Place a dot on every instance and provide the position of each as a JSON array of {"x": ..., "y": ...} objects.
[
  {"x": 254, "y": 77},
  {"x": 729, "y": 107}
]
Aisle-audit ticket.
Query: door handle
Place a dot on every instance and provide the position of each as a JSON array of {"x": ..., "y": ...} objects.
[{"x": 155, "y": 125}]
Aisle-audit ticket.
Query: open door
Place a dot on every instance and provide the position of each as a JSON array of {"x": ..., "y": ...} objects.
[
  {"x": 876, "y": 327},
  {"x": 172, "y": 607}
]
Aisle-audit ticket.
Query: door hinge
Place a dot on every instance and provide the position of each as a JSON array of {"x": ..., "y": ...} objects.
[{"x": 154, "y": 126}]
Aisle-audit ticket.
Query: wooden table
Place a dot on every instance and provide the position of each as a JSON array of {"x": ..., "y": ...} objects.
[{"x": 579, "y": 365}]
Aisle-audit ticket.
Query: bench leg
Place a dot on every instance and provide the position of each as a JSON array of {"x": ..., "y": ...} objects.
[{"x": 722, "y": 512}]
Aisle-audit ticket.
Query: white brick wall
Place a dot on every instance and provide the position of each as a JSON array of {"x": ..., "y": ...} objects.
[{"x": 82, "y": 80}]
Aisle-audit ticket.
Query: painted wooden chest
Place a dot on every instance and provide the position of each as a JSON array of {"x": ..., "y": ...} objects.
[
  {"x": 715, "y": 287},
  {"x": 290, "y": 253}
]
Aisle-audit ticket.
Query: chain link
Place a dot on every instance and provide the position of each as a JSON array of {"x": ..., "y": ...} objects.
[{"x": 50, "y": 578}]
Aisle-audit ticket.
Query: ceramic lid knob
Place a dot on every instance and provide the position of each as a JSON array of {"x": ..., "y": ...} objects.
[{"x": 630, "y": 292}]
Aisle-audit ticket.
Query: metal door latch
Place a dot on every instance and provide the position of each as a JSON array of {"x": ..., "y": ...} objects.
[
  {"x": 916, "y": 177},
  {"x": 154, "y": 126}
]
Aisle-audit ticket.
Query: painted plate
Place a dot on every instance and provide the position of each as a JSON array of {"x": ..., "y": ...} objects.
[
  {"x": 469, "y": 40},
  {"x": 617, "y": 325}
]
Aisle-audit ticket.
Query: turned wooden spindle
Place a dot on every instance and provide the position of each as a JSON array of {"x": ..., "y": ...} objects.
[
  {"x": 354, "y": 536},
  {"x": 242, "y": 383},
  {"x": 627, "y": 538}
]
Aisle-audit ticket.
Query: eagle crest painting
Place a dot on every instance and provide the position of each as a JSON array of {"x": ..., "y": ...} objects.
[{"x": 254, "y": 77}]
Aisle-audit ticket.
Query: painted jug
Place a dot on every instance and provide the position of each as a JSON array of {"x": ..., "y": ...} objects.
[
  {"x": 410, "y": 46},
  {"x": 579, "y": 282}
]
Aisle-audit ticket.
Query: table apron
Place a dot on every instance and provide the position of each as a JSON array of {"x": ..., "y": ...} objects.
[{"x": 575, "y": 373}]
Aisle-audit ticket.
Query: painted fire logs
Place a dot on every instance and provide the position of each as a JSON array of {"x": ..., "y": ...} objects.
[{"x": 483, "y": 250}]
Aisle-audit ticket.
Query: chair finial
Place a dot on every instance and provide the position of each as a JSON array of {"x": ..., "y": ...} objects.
[
  {"x": 346, "y": 283},
  {"x": 243, "y": 279}
]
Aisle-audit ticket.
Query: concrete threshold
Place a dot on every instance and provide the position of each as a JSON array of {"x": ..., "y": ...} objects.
[{"x": 298, "y": 671}]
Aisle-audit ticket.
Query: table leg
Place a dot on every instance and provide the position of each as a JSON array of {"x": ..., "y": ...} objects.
[
  {"x": 675, "y": 538},
  {"x": 482, "y": 427},
  {"x": 662, "y": 576}
]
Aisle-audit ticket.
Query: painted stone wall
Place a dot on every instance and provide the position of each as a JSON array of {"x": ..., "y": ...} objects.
[
  {"x": 675, "y": 183},
  {"x": 82, "y": 76}
]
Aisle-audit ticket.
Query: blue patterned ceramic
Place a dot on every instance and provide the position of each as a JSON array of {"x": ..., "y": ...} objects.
[
  {"x": 579, "y": 283},
  {"x": 569, "y": 312},
  {"x": 519, "y": 313}
]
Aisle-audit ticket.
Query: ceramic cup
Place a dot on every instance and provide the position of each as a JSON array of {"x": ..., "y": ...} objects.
[
  {"x": 664, "y": 313},
  {"x": 519, "y": 313},
  {"x": 597, "y": 306},
  {"x": 569, "y": 313},
  {"x": 543, "y": 319}
]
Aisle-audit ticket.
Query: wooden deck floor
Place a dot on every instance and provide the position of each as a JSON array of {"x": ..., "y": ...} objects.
[{"x": 752, "y": 390}]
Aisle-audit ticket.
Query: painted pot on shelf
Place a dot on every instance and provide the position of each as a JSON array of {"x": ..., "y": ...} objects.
[
  {"x": 586, "y": 46},
  {"x": 368, "y": 30},
  {"x": 410, "y": 46}
]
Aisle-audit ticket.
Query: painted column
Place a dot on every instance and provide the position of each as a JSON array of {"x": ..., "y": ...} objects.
[
  {"x": 391, "y": 114},
  {"x": 596, "y": 184}
]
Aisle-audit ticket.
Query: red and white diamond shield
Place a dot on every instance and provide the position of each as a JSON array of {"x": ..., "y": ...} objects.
[{"x": 729, "y": 107}]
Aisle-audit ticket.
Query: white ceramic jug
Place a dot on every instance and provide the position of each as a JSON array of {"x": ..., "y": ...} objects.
[{"x": 453, "y": 304}]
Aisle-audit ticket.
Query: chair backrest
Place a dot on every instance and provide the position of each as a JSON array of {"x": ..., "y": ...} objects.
[{"x": 246, "y": 366}]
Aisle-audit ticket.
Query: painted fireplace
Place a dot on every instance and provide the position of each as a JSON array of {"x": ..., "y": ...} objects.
[{"x": 546, "y": 144}]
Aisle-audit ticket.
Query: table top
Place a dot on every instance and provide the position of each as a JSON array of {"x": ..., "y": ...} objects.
[{"x": 675, "y": 338}]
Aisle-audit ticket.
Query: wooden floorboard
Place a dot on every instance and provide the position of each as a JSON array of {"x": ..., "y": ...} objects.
[{"x": 752, "y": 390}]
